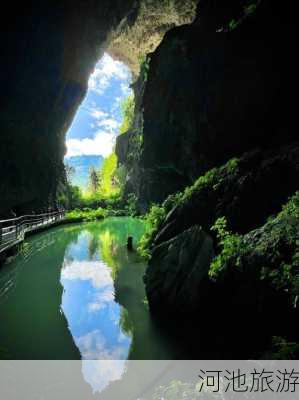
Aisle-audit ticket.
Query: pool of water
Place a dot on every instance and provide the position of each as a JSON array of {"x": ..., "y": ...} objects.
[{"x": 76, "y": 292}]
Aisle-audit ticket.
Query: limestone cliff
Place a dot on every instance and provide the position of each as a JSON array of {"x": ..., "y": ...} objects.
[
  {"x": 214, "y": 90},
  {"x": 49, "y": 50}
]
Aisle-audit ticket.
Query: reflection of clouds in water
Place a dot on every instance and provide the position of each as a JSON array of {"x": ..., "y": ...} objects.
[
  {"x": 99, "y": 374},
  {"x": 94, "y": 271},
  {"x": 93, "y": 346},
  {"x": 101, "y": 300}
]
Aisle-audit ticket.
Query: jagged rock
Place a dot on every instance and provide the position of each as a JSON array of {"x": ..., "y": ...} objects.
[
  {"x": 246, "y": 192},
  {"x": 178, "y": 269},
  {"x": 251, "y": 298}
]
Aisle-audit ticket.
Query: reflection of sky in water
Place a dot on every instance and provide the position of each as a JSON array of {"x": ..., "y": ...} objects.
[
  {"x": 88, "y": 304},
  {"x": 93, "y": 315},
  {"x": 99, "y": 373}
]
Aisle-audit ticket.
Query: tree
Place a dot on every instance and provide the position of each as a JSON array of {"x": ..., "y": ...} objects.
[
  {"x": 93, "y": 180},
  {"x": 70, "y": 172},
  {"x": 108, "y": 185}
]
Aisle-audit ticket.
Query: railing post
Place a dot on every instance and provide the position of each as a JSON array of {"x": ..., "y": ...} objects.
[{"x": 0, "y": 233}]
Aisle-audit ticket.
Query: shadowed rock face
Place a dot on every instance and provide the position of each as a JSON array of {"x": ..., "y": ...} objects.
[
  {"x": 213, "y": 95},
  {"x": 48, "y": 52},
  {"x": 177, "y": 269},
  {"x": 246, "y": 195},
  {"x": 257, "y": 279}
]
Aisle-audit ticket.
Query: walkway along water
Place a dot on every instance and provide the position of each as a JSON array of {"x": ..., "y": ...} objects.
[{"x": 13, "y": 231}]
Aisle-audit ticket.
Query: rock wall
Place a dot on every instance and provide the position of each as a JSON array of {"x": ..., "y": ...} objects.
[
  {"x": 49, "y": 49},
  {"x": 229, "y": 290},
  {"x": 212, "y": 95}
]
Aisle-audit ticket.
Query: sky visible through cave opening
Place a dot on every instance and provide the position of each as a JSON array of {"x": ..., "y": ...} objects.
[{"x": 98, "y": 119}]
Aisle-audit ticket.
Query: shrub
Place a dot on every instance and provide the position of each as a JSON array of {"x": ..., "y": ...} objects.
[
  {"x": 86, "y": 214},
  {"x": 131, "y": 206},
  {"x": 273, "y": 249},
  {"x": 231, "y": 245},
  {"x": 153, "y": 219},
  {"x": 209, "y": 181}
]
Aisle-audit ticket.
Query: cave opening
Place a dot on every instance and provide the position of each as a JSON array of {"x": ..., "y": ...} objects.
[
  {"x": 90, "y": 159},
  {"x": 203, "y": 153}
]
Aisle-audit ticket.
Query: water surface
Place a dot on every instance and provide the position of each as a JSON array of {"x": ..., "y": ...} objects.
[{"x": 75, "y": 292}]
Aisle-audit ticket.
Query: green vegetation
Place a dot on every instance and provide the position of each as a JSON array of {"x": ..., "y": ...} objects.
[
  {"x": 131, "y": 206},
  {"x": 153, "y": 220},
  {"x": 251, "y": 8},
  {"x": 107, "y": 183},
  {"x": 283, "y": 237},
  {"x": 127, "y": 107},
  {"x": 144, "y": 68},
  {"x": 282, "y": 349},
  {"x": 210, "y": 181},
  {"x": 273, "y": 249},
  {"x": 93, "y": 180},
  {"x": 86, "y": 214},
  {"x": 70, "y": 197},
  {"x": 231, "y": 244},
  {"x": 248, "y": 10},
  {"x": 107, "y": 187}
]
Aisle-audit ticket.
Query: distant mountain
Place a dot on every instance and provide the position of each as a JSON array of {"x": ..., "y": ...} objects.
[{"x": 82, "y": 164}]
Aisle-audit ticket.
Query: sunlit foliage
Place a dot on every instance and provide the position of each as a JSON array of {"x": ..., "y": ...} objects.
[
  {"x": 108, "y": 186},
  {"x": 127, "y": 109},
  {"x": 86, "y": 214}
]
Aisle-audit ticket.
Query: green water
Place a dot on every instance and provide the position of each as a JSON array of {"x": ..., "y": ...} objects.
[{"x": 75, "y": 292}]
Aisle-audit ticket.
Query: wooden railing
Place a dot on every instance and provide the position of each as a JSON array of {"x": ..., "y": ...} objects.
[{"x": 12, "y": 231}]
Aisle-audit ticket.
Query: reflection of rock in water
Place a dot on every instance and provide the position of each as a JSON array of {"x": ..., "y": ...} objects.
[
  {"x": 93, "y": 244},
  {"x": 148, "y": 342},
  {"x": 10, "y": 271},
  {"x": 32, "y": 325}
]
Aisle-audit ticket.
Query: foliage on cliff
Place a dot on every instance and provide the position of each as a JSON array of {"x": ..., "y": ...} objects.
[
  {"x": 158, "y": 214},
  {"x": 154, "y": 219},
  {"x": 273, "y": 249},
  {"x": 127, "y": 108}
]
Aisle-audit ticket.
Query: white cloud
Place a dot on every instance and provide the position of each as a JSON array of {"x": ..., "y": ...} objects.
[
  {"x": 102, "y": 144},
  {"x": 110, "y": 124},
  {"x": 97, "y": 113},
  {"x": 106, "y": 70},
  {"x": 94, "y": 271}
]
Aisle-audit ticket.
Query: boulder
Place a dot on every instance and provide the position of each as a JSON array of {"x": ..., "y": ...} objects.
[
  {"x": 246, "y": 191},
  {"x": 177, "y": 271}
]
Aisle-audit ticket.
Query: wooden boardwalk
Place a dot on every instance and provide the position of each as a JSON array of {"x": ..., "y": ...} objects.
[{"x": 13, "y": 231}]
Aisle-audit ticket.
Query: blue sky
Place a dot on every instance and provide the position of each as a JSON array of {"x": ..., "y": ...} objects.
[{"x": 98, "y": 119}]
